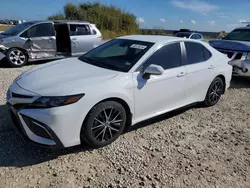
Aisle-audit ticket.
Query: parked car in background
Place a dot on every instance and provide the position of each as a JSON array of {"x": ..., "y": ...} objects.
[
  {"x": 129, "y": 79},
  {"x": 190, "y": 35},
  {"x": 181, "y": 30},
  {"x": 236, "y": 46},
  {"x": 41, "y": 40}
]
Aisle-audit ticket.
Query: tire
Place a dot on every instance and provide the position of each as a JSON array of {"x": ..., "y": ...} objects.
[
  {"x": 214, "y": 92},
  {"x": 98, "y": 129},
  {"x": 16, "y": 57}
]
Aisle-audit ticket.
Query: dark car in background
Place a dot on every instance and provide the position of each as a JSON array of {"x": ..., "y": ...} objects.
[
  {"x": 236, "y": 45},
  {"x": 190, "y": 35}
]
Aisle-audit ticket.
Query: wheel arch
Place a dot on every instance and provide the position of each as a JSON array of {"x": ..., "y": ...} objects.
[
  {"x": 224, "y": 81},
  {"x": 22, "y": 49},
  {"x": 120, "y": 101}
]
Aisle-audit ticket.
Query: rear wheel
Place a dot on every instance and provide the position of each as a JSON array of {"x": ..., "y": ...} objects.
[
  {"x": 16, "y": 57},
  {"x": 104, "y": 124},
  {"x": 214, "y": 92}
]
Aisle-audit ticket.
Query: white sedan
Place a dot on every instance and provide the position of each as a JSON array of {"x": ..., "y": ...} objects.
[{"x": 114, "y": 86}]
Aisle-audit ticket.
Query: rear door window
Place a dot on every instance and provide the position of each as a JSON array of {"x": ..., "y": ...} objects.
[{"x": 78, "y": 30}]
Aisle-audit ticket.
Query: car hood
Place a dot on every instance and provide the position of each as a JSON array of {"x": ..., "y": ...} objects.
[
  {"x": 3, "y": 36},
  {"x": 230, "y": 45},
  {"x": 62, "y": 77}
]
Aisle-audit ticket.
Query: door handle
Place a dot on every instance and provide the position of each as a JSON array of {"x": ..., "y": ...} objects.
[
  {"x": 181, "y": 74},
  {"x": 211, "y": 67},
  {"x": 73, "y": 39},
  {"x": 50, "y": 40}
]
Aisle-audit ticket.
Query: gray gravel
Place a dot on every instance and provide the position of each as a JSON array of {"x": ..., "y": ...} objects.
[{"x": 193, "y": 147}]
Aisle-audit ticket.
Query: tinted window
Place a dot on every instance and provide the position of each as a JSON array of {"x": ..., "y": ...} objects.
[
  {"x": 239, "y": 34},
  {"x": 168, "y": 57},
  {"x": 42, "y": 30},
  {"x": 194, "y": 36},
  {"x": 117, "y": 54},
  {"x": 17, "y": 29},
  {"x": 76, "y": 30},
  {"x": 198, "y": 36},
  {"x": 207, "y": 54},
  {"x": 24, "y": 34},
  {"x": 196, "y": 53}
]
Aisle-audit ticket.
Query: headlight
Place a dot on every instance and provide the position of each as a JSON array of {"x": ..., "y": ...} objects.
[{"x": 49, "y": 102}]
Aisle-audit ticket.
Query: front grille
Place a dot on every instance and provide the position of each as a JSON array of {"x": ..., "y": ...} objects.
[
  {"x": 15, "y": 121},
  {"x": 20, "y": 106},
  {"x": 229, "y": 54},
  {"x": 21, "y": 96},
  {"x": 17, "y": 124},
  {"x": 8, "y": 95},
  {"x": 36, "y": 127}
]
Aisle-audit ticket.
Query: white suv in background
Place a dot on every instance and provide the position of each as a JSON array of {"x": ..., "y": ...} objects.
[{"x": 93, "y": 98}]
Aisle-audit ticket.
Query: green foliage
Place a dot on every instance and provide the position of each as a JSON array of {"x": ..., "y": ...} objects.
[
  {"x": 112, "y": 21},
  {"x": 58, "y": 16},
  {"x": 155, "y": 31}
]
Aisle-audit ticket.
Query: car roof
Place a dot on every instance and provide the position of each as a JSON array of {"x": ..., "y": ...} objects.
[
  {"x": 247, "y": 28},
  {"x": 57, "y": 21},
  {"x": 151, "y": 38}
]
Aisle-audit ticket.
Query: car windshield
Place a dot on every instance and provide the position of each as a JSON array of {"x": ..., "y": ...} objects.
[
  {"x": 187, "y": 35},
  {"x": 17, "y": 29},
  {"x": 117, "y": 54},
  {"x": 239, "y": 34}
]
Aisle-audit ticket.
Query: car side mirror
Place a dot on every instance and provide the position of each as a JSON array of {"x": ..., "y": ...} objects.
[{"x": 152, "y": 70}]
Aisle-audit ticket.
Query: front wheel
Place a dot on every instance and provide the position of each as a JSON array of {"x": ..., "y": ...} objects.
[
  {"x": 214, "y": 92},
  {"x": 105, "y": 123},
  {"x": 16, "y": 57}
]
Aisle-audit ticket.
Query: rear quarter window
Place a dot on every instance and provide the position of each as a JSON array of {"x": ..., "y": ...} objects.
[{"x": 196, "y": 53}]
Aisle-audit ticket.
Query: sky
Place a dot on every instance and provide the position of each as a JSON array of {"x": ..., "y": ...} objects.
[{"x": 201, "y": 15}]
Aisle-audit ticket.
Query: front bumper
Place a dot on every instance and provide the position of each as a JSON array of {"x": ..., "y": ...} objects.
[
  {"x": 34, "y": 131},
  {"x": 242, "y": 64},
  {"x": 2, "y": 55},
  {"x": 3, "y": 50},
  {"x": 58, "y": 127}
]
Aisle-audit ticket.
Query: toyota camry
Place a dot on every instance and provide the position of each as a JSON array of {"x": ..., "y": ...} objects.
[{"x": 93, "y": 98}]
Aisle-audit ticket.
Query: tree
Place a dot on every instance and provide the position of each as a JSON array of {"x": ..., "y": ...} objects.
[{"x": 107, "y": 18}]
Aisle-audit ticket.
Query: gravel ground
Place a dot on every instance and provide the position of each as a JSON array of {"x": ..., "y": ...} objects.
[{"x": 192, "y": 147}]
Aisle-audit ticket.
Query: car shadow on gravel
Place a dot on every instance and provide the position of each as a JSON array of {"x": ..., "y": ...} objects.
[
  {"x": 240, "y": 82},
  {"x": 165, "y": 116},
  {"x": 15, "y": 152}
]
